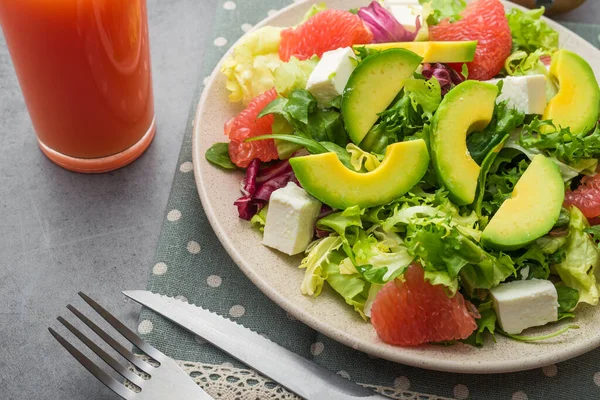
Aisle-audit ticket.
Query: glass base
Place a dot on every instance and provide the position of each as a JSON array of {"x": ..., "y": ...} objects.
[{"x": 104, "y": 164}]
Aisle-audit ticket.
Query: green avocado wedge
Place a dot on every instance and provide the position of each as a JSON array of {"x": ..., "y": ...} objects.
[
  {"x": 372, "y": 87},
  {"x": 466, "y": 108},
  {"x": 576, "y": 105},
  {"x": 327, "y": 179},
  {"x": 532, "y": 210}
]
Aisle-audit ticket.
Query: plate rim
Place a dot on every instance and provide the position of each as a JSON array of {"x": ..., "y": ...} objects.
[{"x": 375, "y": 349}]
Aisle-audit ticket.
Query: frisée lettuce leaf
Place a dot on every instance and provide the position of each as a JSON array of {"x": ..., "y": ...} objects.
[{"x": 529, "y": 32}]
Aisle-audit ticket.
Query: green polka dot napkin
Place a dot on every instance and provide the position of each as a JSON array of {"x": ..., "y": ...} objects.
[{"x": 191, "y": 263}]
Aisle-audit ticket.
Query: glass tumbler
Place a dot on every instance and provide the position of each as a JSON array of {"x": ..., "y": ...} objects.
[{"x": 84, "y": 70}]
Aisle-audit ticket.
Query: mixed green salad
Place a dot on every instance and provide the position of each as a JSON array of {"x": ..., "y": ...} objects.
[{"x": 458, "y": 142}]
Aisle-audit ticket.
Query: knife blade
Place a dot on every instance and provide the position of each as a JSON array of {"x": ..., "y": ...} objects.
[{"x": 289, "y": 369}]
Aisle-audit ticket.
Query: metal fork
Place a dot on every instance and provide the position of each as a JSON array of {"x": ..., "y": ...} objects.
[{"x": 167, "y": 381}]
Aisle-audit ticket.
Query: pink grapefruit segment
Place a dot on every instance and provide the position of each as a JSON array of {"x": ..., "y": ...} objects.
[{"x": 415, "y": 312}]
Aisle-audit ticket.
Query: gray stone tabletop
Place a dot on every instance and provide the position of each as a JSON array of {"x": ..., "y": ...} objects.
[{"x": 62, "y": 232}]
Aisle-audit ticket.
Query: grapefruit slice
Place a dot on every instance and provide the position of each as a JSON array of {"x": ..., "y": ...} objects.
[
  {"x": 415, "y": 312},
  {"x": 325, "y": 31},
  {"x": 245, "y": 125},
  {"x": 484, "y": 21}
]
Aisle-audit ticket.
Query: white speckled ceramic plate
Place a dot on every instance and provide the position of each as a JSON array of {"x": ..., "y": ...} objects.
[{"x": 278, "y": 276}]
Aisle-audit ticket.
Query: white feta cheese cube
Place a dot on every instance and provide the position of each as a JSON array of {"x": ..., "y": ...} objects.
[
  {"x": 525, "y": 93},
  {"x": 523, "y": 304},
  {"x": 329, "y": 78},
  {"x": 407, "y": 14},
  {"x": 291, "y": 219}
]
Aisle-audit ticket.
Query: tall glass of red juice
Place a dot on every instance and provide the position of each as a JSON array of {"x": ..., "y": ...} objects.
[{"x": 84, "y": 69}]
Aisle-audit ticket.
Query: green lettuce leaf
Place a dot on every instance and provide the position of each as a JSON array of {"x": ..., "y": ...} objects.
[
  {"x": 250, "y": 67},
  {"x": 373, "y": 290},
  {"x": 577, "y": 150},
  {"x": 380, "y": 256},
  {"x": 487, "y": 322},
  {"x": 442, "y": 9},
  {"x": 582, "y": 257},
  {"x": 529, "y": 32},
  {"x": 319, "y": 255},
  {"x": 424, "y": 93},
  {"x": 314, "y": 10},
  {"x": 585, "y": 166},
  {"x": 361, "y": 160},
  {"x": 521, "y": 63},
  {"x": 259, "y": 220},
  {"x": 352, "y": 288},
  {"x": 293, "y": 75},
  {"x": 218, "y": 155}
]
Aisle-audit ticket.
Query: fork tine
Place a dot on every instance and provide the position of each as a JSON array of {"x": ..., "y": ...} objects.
[
  {"x": 102, "y": 376},
  {"x": 123, "y": 330},
  {"x": 138, "y": 362},
  {"x": 114, "y": 364}
]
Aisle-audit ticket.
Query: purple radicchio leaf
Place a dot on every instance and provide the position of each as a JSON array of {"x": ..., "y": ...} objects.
[
  {"x": 260, "y": 183},
  {"x": 384, "y": 26},
  {"x": 446, "y": 76}
]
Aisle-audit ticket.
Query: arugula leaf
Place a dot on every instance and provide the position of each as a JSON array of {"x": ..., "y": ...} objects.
[
  {"x": 504, "y": 121},
  {"x": 522, "y": 338},
  {"x": 535, "y": 262},
  {"x": 311, "y": 145},
  {"x": 218, "y": 154},
  {"x": 486, "y": 165},
  {"x": 300, "y": 103},
  {"x": 306, "y": 119},
  {"x": 567, "y": 298},
  {"x": 442, "y": 9},
  {"x": 401, "y": 120},
  {"x": 529, "y": 32}
]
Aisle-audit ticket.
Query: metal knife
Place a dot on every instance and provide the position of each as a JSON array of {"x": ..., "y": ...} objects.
[{"x": 292, "y": 371}]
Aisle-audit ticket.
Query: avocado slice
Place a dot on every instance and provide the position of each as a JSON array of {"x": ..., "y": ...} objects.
[
  {"x": 372, "y": 87},
  {"x": 466, "y": 108},
  {"x": 532, "y": 210},
  {"x": 576, "y": 103},
  {"x": 432, "y": 52},
  {"x": 327, "y": 179}
]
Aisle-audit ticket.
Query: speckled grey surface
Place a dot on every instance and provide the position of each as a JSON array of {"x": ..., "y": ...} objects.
[{"x": 62, "y": 232}]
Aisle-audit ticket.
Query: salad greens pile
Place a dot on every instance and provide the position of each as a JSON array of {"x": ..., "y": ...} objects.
[{"x": 358, "y": 250}]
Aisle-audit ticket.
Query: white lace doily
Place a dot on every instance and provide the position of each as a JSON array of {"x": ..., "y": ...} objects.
[{"x": 224, "y": 382}]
